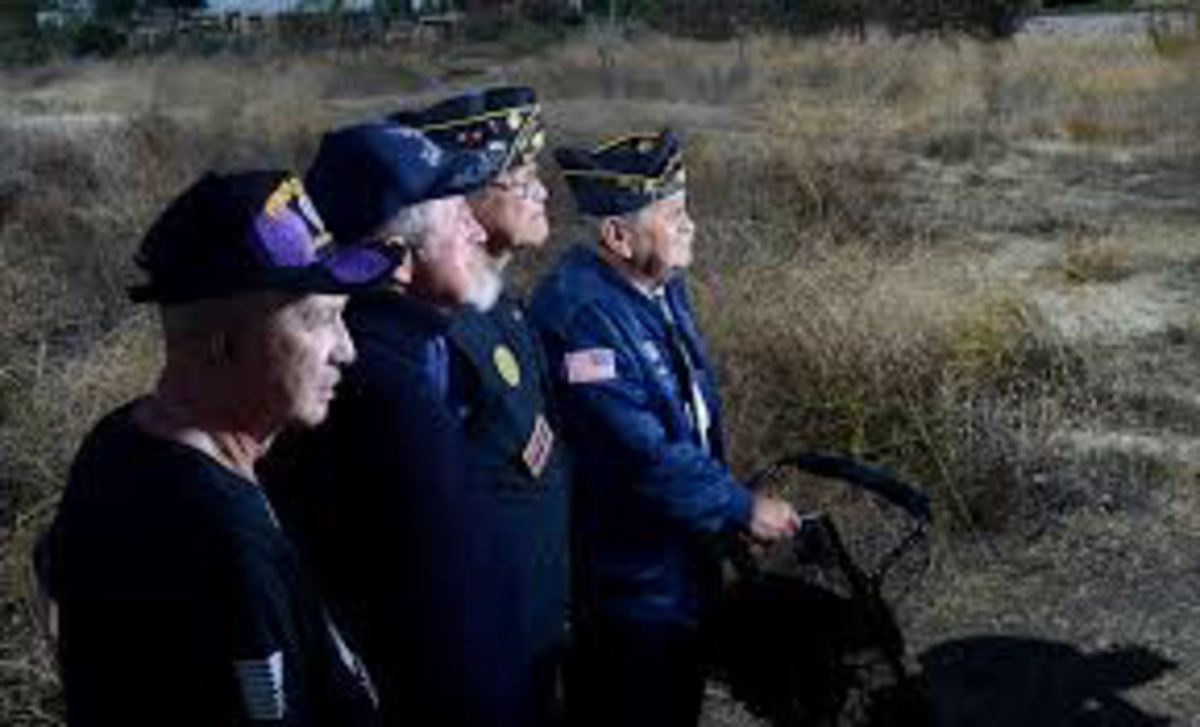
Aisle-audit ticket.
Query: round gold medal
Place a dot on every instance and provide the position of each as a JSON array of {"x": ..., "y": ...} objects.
[{"x": 506, "y": 364}]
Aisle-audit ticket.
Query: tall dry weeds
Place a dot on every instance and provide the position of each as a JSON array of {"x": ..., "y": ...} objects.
[{"x": 844, "y": 314}]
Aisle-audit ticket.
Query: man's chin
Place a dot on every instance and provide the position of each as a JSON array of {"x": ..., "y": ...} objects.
[
  {"x": 538, "y": 238},
  {"x": 311, "y": 417}
]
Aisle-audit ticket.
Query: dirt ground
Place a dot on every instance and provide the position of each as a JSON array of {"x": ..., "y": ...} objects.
[{"x": 1090, "y": 616}]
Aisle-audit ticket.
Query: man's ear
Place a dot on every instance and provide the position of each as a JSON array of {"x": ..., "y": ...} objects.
[
  {"x": 397, "y": 245},
  {"x": 403, "y": 274},
  {"x": 615, "y": 236}
]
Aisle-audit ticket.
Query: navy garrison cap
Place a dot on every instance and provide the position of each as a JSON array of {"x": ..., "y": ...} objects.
[
  {"x": 364, "y": 174},
  {"x": 504, "y": 123},
  {"x": 625, "y": 174},
  {"x": 229, "y": 234}
]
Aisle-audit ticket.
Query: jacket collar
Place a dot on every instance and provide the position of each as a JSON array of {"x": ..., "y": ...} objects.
[
  {"x": 595, "y": 275},
  {"x": 389, "y": 314}
]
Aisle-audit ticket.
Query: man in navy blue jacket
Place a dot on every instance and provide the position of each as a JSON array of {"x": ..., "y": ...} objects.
[
  {"x": 499, "y": 381},
  {"x": 380, "y": 498},
  {"x": 653, "y": 494}
]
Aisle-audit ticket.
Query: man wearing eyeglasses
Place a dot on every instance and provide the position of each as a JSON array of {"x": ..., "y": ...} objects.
[{"x": 500, "y": 386}]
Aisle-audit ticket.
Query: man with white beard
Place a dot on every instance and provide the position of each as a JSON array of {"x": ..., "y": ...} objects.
[
  {"x": 500, "y": 384},
  {"x": 379, "y": 498}
]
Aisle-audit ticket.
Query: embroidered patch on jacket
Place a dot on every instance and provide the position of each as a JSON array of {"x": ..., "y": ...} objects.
[
  {"x": 506, "y": 365},
  {"x": 261, "y": 682},
  {"x": 540, "y": 445},
  {"x": 591, "y": 366}
]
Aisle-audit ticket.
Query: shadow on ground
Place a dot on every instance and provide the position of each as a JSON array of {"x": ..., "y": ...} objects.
[{"x": 994, "y": 681}]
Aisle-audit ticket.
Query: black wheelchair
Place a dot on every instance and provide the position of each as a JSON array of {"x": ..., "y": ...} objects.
[{"x": 804, "y": 634}]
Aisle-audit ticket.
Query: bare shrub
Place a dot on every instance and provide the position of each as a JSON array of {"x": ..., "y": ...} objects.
[
  {"x": 839, "y": 318},
  {"x": 52, "y": 409},
  {"x": 1096, "y": 261},
  {"x": 841, "y": 348}
]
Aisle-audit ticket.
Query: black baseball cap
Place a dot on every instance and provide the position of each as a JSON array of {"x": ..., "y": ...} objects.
[{"x": 235, "y": 233}]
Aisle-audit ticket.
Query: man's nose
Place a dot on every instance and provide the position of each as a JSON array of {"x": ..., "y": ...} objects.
[
  {"x": 475, "y": 232},
  {"x": 344, "y": 352},
  {"x": 689, "y": 225}
]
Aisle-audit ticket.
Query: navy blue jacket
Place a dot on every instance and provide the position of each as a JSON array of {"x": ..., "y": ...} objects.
[
  {"x": 651, "y": 498},
  {"x": 515, "y": 448},
  {"x": 380, "y": 501}
]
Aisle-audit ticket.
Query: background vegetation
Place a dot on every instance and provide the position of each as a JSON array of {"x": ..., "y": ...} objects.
[{"x": 970, "y": 262}]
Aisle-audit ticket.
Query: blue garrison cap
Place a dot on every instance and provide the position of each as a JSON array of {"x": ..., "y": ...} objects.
[
  {"x": 504, "y": 123},
  {"x": 625, "y": 174},
  {"x": 364, "y": 174}
]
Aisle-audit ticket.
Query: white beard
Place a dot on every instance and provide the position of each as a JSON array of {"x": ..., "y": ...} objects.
[{"x": 484, "y": 294}]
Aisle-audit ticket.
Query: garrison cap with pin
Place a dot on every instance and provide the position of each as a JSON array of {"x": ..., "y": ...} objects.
[
  {"x": 230, "y": 234},
  {"x": 504, "y": 123},
  {"x": 624, "y": 174}
]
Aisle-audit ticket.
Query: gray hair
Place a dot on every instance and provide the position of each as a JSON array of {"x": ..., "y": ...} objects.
[
  {"x": 203, "y": 327},
  {"x": 410, "y": 223},
  {"x": 594, "y": 225}
]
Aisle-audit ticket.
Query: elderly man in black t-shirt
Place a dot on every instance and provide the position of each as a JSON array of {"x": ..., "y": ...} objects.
[{"x": 180, "y": 601}]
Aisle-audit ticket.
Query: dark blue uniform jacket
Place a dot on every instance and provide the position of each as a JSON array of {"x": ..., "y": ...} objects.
[
  {"x": 650, "y": 496},
  {"x": 515, "y": 448},
  {"x": 380, "y": 500}
]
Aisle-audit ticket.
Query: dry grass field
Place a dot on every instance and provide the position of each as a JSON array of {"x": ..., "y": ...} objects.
[{"x": 977, "y": 265}]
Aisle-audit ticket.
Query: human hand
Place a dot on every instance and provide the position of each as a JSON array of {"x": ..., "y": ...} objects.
[{"x": 772, "y": 519}]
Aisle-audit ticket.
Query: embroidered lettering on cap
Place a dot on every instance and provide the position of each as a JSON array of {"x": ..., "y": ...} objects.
[
  {"x": 261, "y": 681},
  {"x": 591, "y": 366}
]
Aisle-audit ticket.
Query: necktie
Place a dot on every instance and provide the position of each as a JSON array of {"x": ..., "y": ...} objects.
[{"x": 685, "y": 369}]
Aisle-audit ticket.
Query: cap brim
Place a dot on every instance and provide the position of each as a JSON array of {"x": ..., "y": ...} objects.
[{"x": 340, "y": 270}]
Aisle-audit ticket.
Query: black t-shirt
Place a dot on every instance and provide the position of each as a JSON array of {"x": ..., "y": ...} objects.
[{"x": 181, "y": 601}]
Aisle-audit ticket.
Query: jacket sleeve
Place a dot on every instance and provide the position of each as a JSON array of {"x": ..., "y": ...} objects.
[
  {"x": 422, "y": 525},
  {"x": 258, "y": 631},
  {"x": 676, "y": 477}
]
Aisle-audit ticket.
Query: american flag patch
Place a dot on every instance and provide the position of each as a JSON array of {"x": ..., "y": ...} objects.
[
  {"x": 541, "y": 444},
  {"x": 591, "y": 366},
  {"x": 261, "y": 681}
]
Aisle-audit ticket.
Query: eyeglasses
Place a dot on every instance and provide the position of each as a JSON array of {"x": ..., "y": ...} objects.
[{"x": 528, "y": 188}]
